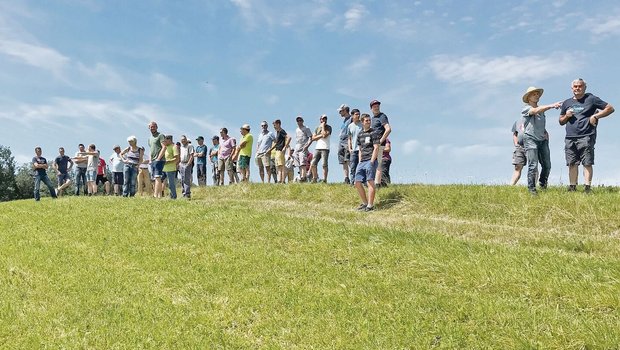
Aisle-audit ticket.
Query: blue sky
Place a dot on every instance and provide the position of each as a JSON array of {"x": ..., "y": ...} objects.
[{"x": 450, "y": 74}]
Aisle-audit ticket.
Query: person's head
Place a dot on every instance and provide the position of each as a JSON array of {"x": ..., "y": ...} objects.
[
  {"x": 375, "y": 107},
  {"x": 245, "y": 128},
  {"x": 132, "y": 140},
  {"x": 323, "y": 118},
  {"x": 153, "y": 127},
  {"x": 277, "y": 124},
  {"x": 532, "y": 95},
  {"x": 184, "y": 140},
  {"x": 223, "y": 132},
  {"x": 117, "y": 149},
  {"x": 38, "y": 151},
  {"x": 92, "y": 147},
  {"x": 200, "y": 140},
  {"x": 81, "y": 147},
  {"x": 343, "y": 110},
  {"x": 299, "y": 120},
  {"x": 168, "y": 140},
  {"x": 366, "y": 121},
  {"x": 264, "y": 126},
  {"x": 355, "y": 115},
  {"x": 61, "y": 151},
  {"x": 579, "y": 87},
  {"x": 215, "y": 140}
]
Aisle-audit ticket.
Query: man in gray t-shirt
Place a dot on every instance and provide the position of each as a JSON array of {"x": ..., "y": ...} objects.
[{"x": 535, "y": 138}]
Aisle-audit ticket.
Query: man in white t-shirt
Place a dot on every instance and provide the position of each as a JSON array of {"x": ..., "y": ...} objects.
[{"x": 321, "y": 136}]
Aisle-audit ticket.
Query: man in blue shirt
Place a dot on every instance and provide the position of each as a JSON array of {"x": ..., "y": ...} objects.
[
  {"x": 581, "y": 114},
  {"x": 200, "y": 155}
]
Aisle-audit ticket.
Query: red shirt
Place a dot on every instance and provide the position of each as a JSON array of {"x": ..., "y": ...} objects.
[{"x": 101, "y": 167}]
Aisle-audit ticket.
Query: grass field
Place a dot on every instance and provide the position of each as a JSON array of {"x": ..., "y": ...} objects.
[{"x": 296, "y": 267}]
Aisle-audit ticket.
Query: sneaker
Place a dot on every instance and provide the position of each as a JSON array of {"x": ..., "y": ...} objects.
[
  {"x": 572, "y": 188},
  {"x": 361, "y": 207},
  {"x": 369, "y": 208},
  {"x": 347, "y": 181},
  {"x": 543, "y": 186},
  {"x": 587, "y": 189},
  {"x": 533, "y": 192}
]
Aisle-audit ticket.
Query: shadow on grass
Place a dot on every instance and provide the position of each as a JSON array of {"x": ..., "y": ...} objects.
[{"x": 390, "y": 199}]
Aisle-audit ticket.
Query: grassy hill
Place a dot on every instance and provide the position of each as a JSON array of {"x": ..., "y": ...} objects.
[{"x": 295, "y": 266}]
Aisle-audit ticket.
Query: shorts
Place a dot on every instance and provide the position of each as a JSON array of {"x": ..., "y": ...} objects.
[
  {"x": 118, "y": 178},
  {"x": 366, "y": 171},
  {"x": 101, "y": 179},
  {"x": 343, "y": 154},
  {"x": 318, "y": 154},
  {"x": 300, "y": 157},
  {"x": 580, "y": 150},
  {"x": 157, "y": 168},
  {"x": 262, "y": 160},
  {"x": 279, "y": 158},
  {"x": 62, "y": 178},
  {"x": 518, "y": 156},
  {"x": 91, "y": 175},
  {"x": 225, "y": 164},
  {"x": 243, "y": 162}
]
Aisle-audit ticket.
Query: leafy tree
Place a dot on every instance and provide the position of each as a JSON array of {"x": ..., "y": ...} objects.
[
  {"x": 25, "y": 182},
  {"x": 8, "y": 186}
]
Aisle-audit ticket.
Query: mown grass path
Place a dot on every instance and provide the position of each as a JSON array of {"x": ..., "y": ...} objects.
[{"x": 267, "y": 266}]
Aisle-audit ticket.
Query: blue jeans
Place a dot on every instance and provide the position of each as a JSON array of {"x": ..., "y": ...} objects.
[
  {"x": 80, "y": 180},
  {"x": 354, "y": 159},
  {"x": 37, "y": 186},
  {"x": 130, "y": 176},
  {"x": 537, "y": 151},
  {"x": 201, "y": 171},
  {"x": 172, "y": 183}
]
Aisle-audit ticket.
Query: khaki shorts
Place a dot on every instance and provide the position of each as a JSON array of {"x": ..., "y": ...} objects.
[
  {"x": 262, "y": 160},
  {"x": 279, "y": 156}
]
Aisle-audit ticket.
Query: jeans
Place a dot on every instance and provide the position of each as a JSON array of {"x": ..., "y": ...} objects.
[
  {"x": 201, "y": 172},
  {"x": 80, "y": 179},
  {"x": 537, "y": 151},
  {"x": 186, "y": 179},
  {"x": 130, "y": 175},
  {"x": 37, "y": 186},
  {"x": 172, "y": 185},
  {"x": 354, "y": 159}
]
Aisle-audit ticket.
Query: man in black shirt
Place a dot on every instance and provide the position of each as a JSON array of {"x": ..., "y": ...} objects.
[{"x": 368, "y": 142}]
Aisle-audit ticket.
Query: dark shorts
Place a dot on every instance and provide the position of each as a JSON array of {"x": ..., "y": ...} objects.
[
  {"x": 62, "y": 178},
  {"x": 518, "y": 156},
  {"x": 118, "y": 178},
  {"x": 580, "y": 150},
  {"x": 101, "y": 179},
  {"x": 244, "y": 162},
  {"x": 157, "y": 168},
  {"x": 366, "y": 171},
  {"x": 343, "y": 155},
  {"x": 318, "y": 154}
]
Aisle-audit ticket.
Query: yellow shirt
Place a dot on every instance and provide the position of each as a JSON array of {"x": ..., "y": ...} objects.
[
  {"x": 171, "y": 154},
  {"x": 247, "y": 149}
]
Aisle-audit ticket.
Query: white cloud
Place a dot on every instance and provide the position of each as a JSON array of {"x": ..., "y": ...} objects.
[
  {"x": 603, "y": 25},
  {"x": 504, "y": 69},
  {"x": 360, "y": 64},
  {"x": 354, "y": 15},
  {"x": 34, "y": 55},
  {"x": 410, "y": 146}
]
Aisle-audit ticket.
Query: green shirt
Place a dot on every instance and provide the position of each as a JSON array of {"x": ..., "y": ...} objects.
[{"x": 155, "y": 144}]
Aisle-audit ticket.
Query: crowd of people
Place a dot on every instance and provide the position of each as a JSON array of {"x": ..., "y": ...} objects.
[
  {"x": 580, "y": 114},
  {"x": 363, "y": 152}
]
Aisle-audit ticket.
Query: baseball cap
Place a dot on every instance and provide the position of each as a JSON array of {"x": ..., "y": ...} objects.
[
  {"x": 299, "y": 118},
  {"x": 342, "y": 107},
  {"x": 374, "y": 102},
  {"x": 246, "y": 127},
  {"x": 215, "y": 137},
  {"x": 323, "y": 116},
  {"x": 115, "y": 147},
  {"x": 200, "y": 138}
]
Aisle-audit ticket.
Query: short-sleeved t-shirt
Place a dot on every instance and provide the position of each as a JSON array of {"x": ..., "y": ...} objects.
[
  {"x": 517, "y": 128},
  {"x": 155, "y": 145},
  {"x": 201, "y": 149},
  {"x": 378, "y": 123},
  {"x": 116, "y": 162},
  {"x": 323, "y": 143},
  {"x": 215, "y": 149},
  {"x": 366, "y": 141},
  {"x": 583, "y": 108},
  {"x": 354, "y": 131},
  {"x": 302, "y": 137},
  {"x": 280, "y": 139},
  {"x": 40, "y": 160},
  {"x": 534, "y": 125},
  {"x": 93, "y": 163},
  {"x": 226, "y": 147},
  {"x": 101, "y": 167},
  {"x": 186, "y": 152},
  {"x": 247, "y": 149},
  {"x": 343, "y": 137},
  {"x": 169, "y": 154},
  {"x": 62, "y": 162}
]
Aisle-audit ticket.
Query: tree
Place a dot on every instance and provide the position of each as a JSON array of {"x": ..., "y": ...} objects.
[
  {"x": 24, "y": 182},
  {"x": 8, "y": 186}
]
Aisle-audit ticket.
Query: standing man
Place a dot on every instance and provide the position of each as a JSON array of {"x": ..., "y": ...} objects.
[
  {"x": 281, "y": 143},
  {"x": 321, "y": 136},
  {"x": 263, "y": 145},
  {"x": 368, "y": 143},
  {"x": 581, "y": 114},
  {"x": 118, "y": 165},
  {"x": 243, "y": 152},
  {"x": 200, "y": 155},
  {"x": 353, "y": 131},
  {"x": 381, "y": 125},
  {"x": 213, "y": 159},
  {"x": 80, "y": 170},
  {"x": 157, "y": 163},
  {"x": 62, "y": 167},
  {"x": 224, "y": 156},
  {"x": 185, "y": 166},
  {"x": 39, "y": 165},
  {"x": 343, "y": 142},
  {"x": 303, "y": 139},
  {"x": 102, "y": 177},
  {"x": 518, "y": 155},
  {"x": 535, "y": 138}
]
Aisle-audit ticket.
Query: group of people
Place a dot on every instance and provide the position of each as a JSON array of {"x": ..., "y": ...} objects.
[
  {"x": 580, "y": 115},
  {"x": 363, "y": 151}
]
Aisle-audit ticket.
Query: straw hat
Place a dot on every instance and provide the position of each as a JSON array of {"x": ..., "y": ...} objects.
[{"x": 529, "y": 91}]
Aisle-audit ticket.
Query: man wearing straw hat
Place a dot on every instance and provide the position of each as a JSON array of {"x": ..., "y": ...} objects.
[{"x": 535, "y": 138}]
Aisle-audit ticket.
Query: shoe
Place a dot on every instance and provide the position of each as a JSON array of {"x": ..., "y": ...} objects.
[
  {"x": 362, "y": 207},
  {"x": 587, "y": 189},
  {"x": 347, "y": 181},
  {"x": 543, "y": 186},
  {"x": 571, "y": 188},
  {"x": 533, "y": 192},
  {"x": 369, "y": 208}
]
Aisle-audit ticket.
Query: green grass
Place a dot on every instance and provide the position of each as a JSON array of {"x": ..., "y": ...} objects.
[{"x": 295, "y": 267}]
